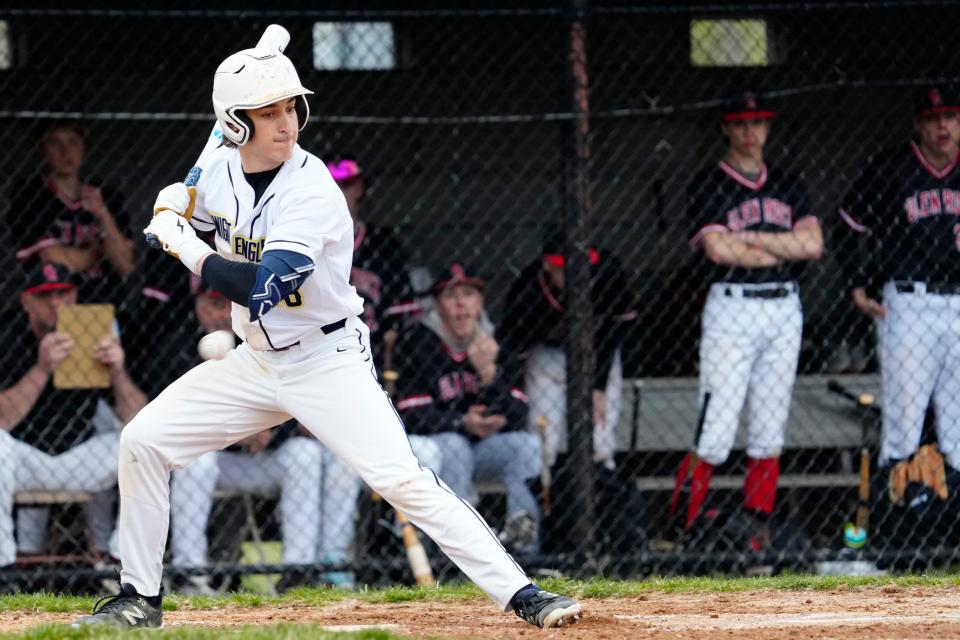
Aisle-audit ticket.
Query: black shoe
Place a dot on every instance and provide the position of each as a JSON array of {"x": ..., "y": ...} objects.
[
  {"x": 127, "y": 609},
  {"x": 545, "y": 609}
]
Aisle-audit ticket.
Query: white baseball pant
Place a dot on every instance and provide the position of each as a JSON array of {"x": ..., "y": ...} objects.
[
  {"x": 328, "y": 384},
  {"x": 920, "y": 346},
  {"x": 294, "y": 469},
  {"x": 748, "y": 354},
  {"x": 546, "y": 387}
]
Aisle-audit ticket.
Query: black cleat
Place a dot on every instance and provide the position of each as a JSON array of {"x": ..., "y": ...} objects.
[
  {"x": 546, "y": 609},
  {"x": 126, "y": 610}
]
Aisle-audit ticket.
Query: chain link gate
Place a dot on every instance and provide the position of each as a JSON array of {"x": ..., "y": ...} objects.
[{"x": 539, "y": 215}]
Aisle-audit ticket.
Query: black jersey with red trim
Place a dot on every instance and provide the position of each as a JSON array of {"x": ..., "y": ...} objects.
[
  {"x": 910, "y": 212},
  {"x": 380, "y": 276},
  {"x": 720, "y": 199},
  {"x": 41, "y": 217},
  {"x": 437, "y": 386},
  {"x": 535, "y": 313}
]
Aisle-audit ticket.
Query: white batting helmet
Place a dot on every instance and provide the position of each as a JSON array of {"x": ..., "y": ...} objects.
[{"x": 251, "y": 79}]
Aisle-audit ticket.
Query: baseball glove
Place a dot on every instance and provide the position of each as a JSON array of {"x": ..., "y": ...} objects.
[{"x": 926, "y": 466}]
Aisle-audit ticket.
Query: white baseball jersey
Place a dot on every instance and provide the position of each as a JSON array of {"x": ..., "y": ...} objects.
[
  {"x": 302, "y": 210},
  {"x": 324, "y": 380}
]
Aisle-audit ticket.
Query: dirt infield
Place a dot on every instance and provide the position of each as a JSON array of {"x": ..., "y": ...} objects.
[{"x": 877, "y": 612}]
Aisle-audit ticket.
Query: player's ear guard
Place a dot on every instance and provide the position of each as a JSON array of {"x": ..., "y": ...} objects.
[
  {"x": 178, "y": 198},
  {"x": 280, "y": 274}
]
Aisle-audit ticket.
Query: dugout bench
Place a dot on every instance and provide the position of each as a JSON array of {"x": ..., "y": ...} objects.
[{"x": 658, "y": 423}]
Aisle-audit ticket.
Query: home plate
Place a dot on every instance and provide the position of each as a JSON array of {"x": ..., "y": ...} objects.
[
  {"x": 358, "y": 627},
  {"x": 765, "y": 620}
]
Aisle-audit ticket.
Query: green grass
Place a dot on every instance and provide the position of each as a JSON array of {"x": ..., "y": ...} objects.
[{"x": 588, "y": 589}]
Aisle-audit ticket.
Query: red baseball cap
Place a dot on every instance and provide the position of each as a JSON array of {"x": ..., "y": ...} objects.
[
  {"x": 747, "y": 106},
  {"x": 48, "y": 276}
]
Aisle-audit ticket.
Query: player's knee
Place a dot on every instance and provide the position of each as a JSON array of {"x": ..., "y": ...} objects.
[
  {"x": 137, "y": 438},
  {"x": 713, "y": 456},
  {"x": 523, "y": 454},
  {"x": 760, "y": 452},
  {"x": 427, "y": 452}
]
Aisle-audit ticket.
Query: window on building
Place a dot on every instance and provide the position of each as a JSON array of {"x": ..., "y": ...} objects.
[
  {"x": 353, "y": 46},
  {"x": 6, "y": 51},
  {"x": 730, "y": 43}
]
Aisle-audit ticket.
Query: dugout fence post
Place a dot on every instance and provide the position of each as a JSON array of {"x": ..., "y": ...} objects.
[{"x": 579, "y": 343}]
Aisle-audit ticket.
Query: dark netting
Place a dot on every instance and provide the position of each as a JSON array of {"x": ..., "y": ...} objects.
[{"x": 630, "y": 276}]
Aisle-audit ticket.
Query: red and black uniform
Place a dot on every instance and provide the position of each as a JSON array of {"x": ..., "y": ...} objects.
[
  {"x": 437, "y": 386},
  {"x": 535, "y": 312},
  {"x": 41, "y": 216},
  {"x": 909, "y": 209},
  {"x": 723, "y": 200},
  {"x": 380, "y": 276},
  {"x": 901, "y": 216},
  {"x": 752, "y": 327}
]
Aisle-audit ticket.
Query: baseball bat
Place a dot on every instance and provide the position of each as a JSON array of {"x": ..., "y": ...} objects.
[
  {"x": 689, "y": 460},
  {"x": 416, "y": 554},
  {"x": 546, "y": 478},
  {"x": 865, "y": 401},
  {"x": 274, "y": 38}
]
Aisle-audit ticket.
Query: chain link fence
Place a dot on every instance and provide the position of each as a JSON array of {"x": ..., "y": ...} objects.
[{"x": 608, "y": 256}]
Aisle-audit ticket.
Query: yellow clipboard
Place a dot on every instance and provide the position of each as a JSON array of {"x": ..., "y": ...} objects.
[{"x": 87, "y": 324}]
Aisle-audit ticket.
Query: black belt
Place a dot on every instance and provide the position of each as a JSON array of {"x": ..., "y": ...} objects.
[
  {"x": 764, "y": 294},
  {"x": 937, "y": 288},
  {"x": 327, "y": 329}
]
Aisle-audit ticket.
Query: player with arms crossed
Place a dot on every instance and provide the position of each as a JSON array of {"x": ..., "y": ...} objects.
[
  {"x": 754, "y": 226},
  {"x": 284, "y": 241}
]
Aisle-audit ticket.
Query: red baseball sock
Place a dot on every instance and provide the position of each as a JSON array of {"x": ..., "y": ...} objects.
[
  {"x": 760, "y": 484},
  {"x": 699, "y": 484}
]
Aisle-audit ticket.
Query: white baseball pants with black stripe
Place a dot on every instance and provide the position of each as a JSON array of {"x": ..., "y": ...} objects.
[
  {"x": 919, "y": 343},
  {"x": 749, "y": 351},
  {"x": 328, "y": 384}
]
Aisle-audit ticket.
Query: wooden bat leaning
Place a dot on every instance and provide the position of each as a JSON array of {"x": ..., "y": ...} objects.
[
  {"x": 416, "y": 555},
  {"x": 274, "y": 38},
  {"x": 865, "y": 402}
]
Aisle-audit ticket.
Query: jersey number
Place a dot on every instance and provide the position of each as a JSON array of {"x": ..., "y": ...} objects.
[{"x": 294, "y": 300}]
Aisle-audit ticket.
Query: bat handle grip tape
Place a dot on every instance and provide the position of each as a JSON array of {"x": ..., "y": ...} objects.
[{"x": 153, "y": 241}]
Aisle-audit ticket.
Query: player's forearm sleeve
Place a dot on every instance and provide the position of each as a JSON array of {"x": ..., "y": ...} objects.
[{"x": 232, "y": 279}]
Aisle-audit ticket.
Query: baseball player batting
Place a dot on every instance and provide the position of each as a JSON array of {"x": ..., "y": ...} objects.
[
  {"x": 906, "y": 201},
  {"x": 753, "y": 224},
  {"x": 284, "y": 241}
]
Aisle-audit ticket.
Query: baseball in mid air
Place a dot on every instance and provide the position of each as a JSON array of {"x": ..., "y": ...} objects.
[{"x": 216, "y": 345}]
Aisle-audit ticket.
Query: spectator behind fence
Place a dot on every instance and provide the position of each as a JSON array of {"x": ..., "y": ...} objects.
[
  {"x": 534, "y": 327},
  {"x": 70, "y": 219},
  {"x": 56, "y": 439},
  {"x": 456, "y": 387},
  {"x": 380, "y": 264},
  {"x": 754, "y": 225},
  {"x": 901, "y": 215}
]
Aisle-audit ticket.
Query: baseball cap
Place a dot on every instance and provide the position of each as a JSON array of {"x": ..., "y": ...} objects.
[
  {"x": 554, "y": 246},
  {"x": 48, "y": 276},
  {"x": 344, "y": 168},
  {"x": 456, "y": 274},
  {"x": 936, "y": 99},
  {"x": 747, "y": 105}
]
